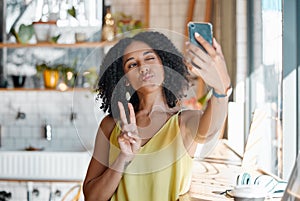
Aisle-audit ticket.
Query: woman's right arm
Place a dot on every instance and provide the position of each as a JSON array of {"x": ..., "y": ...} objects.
[{"x": 102, "y": 180}]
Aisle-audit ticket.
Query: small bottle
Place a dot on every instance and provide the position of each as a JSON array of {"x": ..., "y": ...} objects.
[{"x": 108, "y": 28}]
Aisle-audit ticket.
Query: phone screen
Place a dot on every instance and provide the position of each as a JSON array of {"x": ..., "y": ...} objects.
[{"x": 204, "y": 29}]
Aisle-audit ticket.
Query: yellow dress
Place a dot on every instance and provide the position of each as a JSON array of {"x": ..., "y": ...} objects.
[{"x": 161, "y": 171}]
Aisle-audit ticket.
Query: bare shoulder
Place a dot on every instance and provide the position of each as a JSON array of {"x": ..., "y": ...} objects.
[
  {"x": 102, "y": 139},
  {"x": 107, "y": 125}
]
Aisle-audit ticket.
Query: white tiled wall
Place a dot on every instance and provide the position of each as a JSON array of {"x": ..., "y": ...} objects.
[
  {"x": 171, "y": 14},
  {"x": 134, "y": 8},
  {"x": 168, "y": 16},
  {"x": 53, "y": 107}
]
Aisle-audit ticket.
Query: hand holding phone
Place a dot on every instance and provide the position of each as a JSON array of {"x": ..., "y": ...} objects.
[{"x": 204, "y": 29}]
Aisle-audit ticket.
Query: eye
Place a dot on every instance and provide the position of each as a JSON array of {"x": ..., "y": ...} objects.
[
  {"x": 132, "y": 65},
  {"x": 150, "y": 57}
]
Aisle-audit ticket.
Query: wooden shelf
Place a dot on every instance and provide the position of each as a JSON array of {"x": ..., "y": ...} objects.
[
  {"x": 71, "y": 89},
  {"x": 55, "y": 45}
]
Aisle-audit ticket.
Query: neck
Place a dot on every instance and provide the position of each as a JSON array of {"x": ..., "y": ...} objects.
[{"x": 152, "y": 102}]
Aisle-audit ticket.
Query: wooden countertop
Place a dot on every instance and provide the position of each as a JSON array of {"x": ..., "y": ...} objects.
[{"x": 215, "y": 174}]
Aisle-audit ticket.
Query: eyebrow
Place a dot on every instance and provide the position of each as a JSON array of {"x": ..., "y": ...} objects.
[
  {"x": 131, "y": 58},
  {"x": 144, "y": 53},
  {"x": 148, "y": 52}
]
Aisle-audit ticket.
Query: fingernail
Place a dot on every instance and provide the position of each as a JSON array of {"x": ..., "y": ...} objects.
[
  {"x": 129, "y": 134},
  {"x": 197, "y": 34},
  {"x": 133, "y": 141}
]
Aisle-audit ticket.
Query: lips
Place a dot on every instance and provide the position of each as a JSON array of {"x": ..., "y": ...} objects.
[{"x": 147, "y": 77}]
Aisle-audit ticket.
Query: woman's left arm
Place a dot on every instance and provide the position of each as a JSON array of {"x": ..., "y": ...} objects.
[{"x": 211, "y": 67}]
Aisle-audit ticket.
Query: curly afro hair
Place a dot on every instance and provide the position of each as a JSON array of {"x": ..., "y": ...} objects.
[{"x": 176, "y": 80}]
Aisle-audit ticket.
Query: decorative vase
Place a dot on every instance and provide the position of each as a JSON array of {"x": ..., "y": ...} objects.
[
  {"x": 18, "y": 80},
  {"x": 51, "y": 78}
]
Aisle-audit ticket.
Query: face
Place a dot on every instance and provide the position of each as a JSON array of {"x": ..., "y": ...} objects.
[{"x": 143, "y": 67}]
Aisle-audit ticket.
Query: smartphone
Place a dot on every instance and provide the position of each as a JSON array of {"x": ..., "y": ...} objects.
[{"x": 204, "y": 29}]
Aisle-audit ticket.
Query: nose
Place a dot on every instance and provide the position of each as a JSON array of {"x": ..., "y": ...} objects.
[{"x": 144, "y": 69}]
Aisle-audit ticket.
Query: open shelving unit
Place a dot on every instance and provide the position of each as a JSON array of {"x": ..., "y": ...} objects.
[
  {"x": 56, "y": 45},
  {"x": 103, "y": 45}
]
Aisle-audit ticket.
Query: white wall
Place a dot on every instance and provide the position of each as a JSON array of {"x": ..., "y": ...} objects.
[{"x": 55, "y": 108}]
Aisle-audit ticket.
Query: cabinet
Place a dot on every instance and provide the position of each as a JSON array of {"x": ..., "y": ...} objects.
[{"x": 41, "y": 190}]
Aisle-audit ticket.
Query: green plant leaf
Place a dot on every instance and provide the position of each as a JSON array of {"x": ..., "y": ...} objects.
[
  {"x": 54, "y": 39},
  {"x": 15, "y": 34},
  {"x": 41, "y": 67},
  {"x": 72, "y": 12},
  {"x": 25, "y": 33}
]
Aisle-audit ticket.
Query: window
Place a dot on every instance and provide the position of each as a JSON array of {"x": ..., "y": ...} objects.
[
  {"x": 291, "y": 91},
  {"x": 272, "y": 83}
]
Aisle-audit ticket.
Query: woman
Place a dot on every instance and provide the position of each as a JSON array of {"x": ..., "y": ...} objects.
[{"x": 144, "y": 146}]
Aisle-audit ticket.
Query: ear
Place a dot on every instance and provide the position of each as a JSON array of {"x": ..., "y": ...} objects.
[{"x": 127, "y": 84}]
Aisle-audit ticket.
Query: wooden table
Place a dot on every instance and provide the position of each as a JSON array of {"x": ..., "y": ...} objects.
[{"x": 215, "y": 174}]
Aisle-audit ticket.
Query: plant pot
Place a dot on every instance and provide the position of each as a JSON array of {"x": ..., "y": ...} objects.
[
  {"x": 43, "y": 30},
  {"x": 18, "y": 80},
  {"x": 51, "y": 78}
]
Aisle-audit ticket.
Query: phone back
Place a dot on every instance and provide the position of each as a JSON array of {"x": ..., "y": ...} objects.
[{"x": 204, "y": 29}]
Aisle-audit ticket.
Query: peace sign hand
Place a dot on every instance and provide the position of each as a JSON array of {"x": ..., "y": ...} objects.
[{"x": 129, "y": 140}]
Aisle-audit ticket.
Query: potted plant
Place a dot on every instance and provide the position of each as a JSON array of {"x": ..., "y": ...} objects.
[
  {"x": 50, "y": 74},
  {"x": 53, "y": 73},
  {"x": 19, "y": 73},
  {"x": 24, "y": 34},
  {"x": 68, "y": 74}
]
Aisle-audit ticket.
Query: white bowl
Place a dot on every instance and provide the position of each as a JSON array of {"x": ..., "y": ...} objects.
[{"x": 249, "y": 193}]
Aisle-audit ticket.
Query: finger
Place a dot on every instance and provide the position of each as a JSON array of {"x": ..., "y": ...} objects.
[
  {"x": 121, "y": 138},
  {"x": 128, "y": 135},
  {"x": 198, "y": 72},
  {"x": 210, "y": 50},
  {"x": 128, "y": 138},
  {"x": 195, "y": 60},
  {"x": 131, "y": 114},
  {"x": 187, "y": 62},
  {"x": 218, "y": 47},
  {"x": 197, "y": 51},
  {"x": 132, "y": 141},
  {"x": 134, "y": 135},
  {"x": 124, "y": 137},
  {"x": 122, "y": 113}
]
